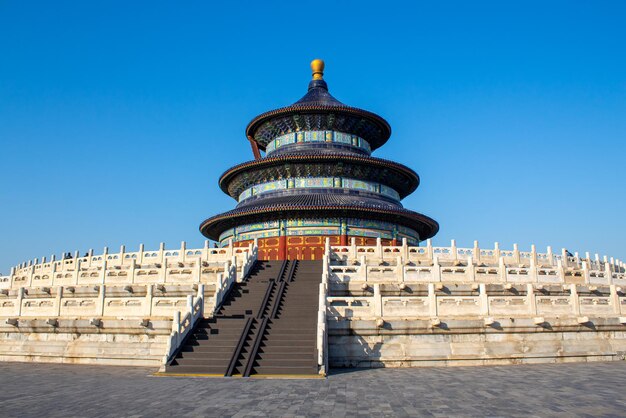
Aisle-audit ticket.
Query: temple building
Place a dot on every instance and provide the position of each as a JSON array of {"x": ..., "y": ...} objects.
[
  {"x": 317, "y": 180},
  {"x": 353, "y": 287}
]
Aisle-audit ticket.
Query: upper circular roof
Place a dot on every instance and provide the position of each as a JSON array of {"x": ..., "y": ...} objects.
[{"x": 319, "y": 110}]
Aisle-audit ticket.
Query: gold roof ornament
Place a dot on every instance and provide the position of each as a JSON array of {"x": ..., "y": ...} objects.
[{"x": 317, "y": 65}]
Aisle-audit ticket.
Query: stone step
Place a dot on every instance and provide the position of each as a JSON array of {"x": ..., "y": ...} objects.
[
  {"x": 299, "y": 337},
  {"x": 202, "y": 361},
  {"x": 286, "y": 356},
  {"x": 301, "y": 370},
  {"x": 287, "y": 345},
  {"x": 210, "y": 370}
]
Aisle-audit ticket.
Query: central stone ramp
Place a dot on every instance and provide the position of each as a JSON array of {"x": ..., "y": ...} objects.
[{"x": 267, "y": 325}]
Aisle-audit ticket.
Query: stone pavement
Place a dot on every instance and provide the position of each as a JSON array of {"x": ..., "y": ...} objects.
[{"x": 584, "y": 389}]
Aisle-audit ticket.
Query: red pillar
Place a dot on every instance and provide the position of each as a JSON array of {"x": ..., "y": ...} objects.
[
  {"x": 344, "y": 240},
  {"x": 282, "y": 247}
]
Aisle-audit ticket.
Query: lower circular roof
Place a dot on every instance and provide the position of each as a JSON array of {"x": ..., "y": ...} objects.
[{"x": 319, "y": 206}]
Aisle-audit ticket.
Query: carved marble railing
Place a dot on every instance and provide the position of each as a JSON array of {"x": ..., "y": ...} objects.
[
  {"x": 436, "y": 264},
  {"x": 181, "y": 265},
  {"x": 129, "y": 295},
  {"x": 137, "y": 301},
  {"x": 433, "y": 300},
  {"x": 478, "y": 255}
]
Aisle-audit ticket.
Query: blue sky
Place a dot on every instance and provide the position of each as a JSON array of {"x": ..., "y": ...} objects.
[{"x": 116, "y": 119}]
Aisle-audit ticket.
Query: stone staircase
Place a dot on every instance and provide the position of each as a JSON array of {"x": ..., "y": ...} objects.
[{"x": 266, "y": 326}]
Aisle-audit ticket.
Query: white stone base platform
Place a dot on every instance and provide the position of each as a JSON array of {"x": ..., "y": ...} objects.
[{"x": 125, "y": 342}]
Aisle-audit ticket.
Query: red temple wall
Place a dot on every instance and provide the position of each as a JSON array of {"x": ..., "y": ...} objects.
[{"x": 308, "y": 247}]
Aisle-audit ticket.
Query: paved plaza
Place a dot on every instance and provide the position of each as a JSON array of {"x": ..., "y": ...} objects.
[{"x": 586, "y": 389}]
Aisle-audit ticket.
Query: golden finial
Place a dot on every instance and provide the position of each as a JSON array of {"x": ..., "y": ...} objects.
[{"x": 317, "y": 65}]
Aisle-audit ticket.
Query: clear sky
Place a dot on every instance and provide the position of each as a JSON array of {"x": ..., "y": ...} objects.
[{"x": 117, "y": 118}]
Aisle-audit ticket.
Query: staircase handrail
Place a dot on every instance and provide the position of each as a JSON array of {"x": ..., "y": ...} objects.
[
  {"x": 266, "y": 298},
  {"x": 322, "y": 332},
  {"x": 249, "y": 259},
  {"x": 279, "y": 296},
  {"x": 183, "y": 324},
  {"x": 292, "y": 270},
  {"x": 283, "y": 266},
  {"x": 223, "y": 283},
  {"x": 242, "y": 339},
  {"x": 254, "y": 349}
]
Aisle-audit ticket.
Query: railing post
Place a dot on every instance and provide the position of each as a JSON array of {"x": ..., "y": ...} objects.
[
  {"x": 400, "y": 269},
  {"x": 59, "y": 297},
  {"x": 76, "y": 270},
  {"x": 436, "y": 269},
  {"x": 176, "y": 329},
  {"x": 149, "y": 295},
  {"x": 476, "y": 252},
  {"x": 532, "y": 303},
  {"x": 161, "y": 256},
  {"x": 560, "y": 270},
  {"x": 363, "y": 268},
  {"x": 502, "y": 267},
  {"x": 101, "y": 296},
  {"x": 122, "y": 251},
  {"x": 131, "y": 271},
  {"x": 615, "y": 299},
  {"x": 141, "y": 251},
  {"x": 182, "y": 256},
  {"x": 378, "y": 301},
  {"x": 574, "y": 300},
  {"x": 353, "y": 248},
  {"x": 20, "y": 298},
  {"x": 190, "y": 305},
  {"x": 608, "y": 272},
  {"x": 550, "y": 257},
  {"x": 201, "y": 298},
  {"x": 533, "y": 268},
  {"x": 405, "y": 249},
  {"x": 471, "y": 273},
  {"x": 432, "y": 300},
  {"x": 484, "y": 299}
]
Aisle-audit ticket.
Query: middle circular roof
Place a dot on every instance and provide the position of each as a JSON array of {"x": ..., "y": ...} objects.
[{"x": 397, "y": 176}]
